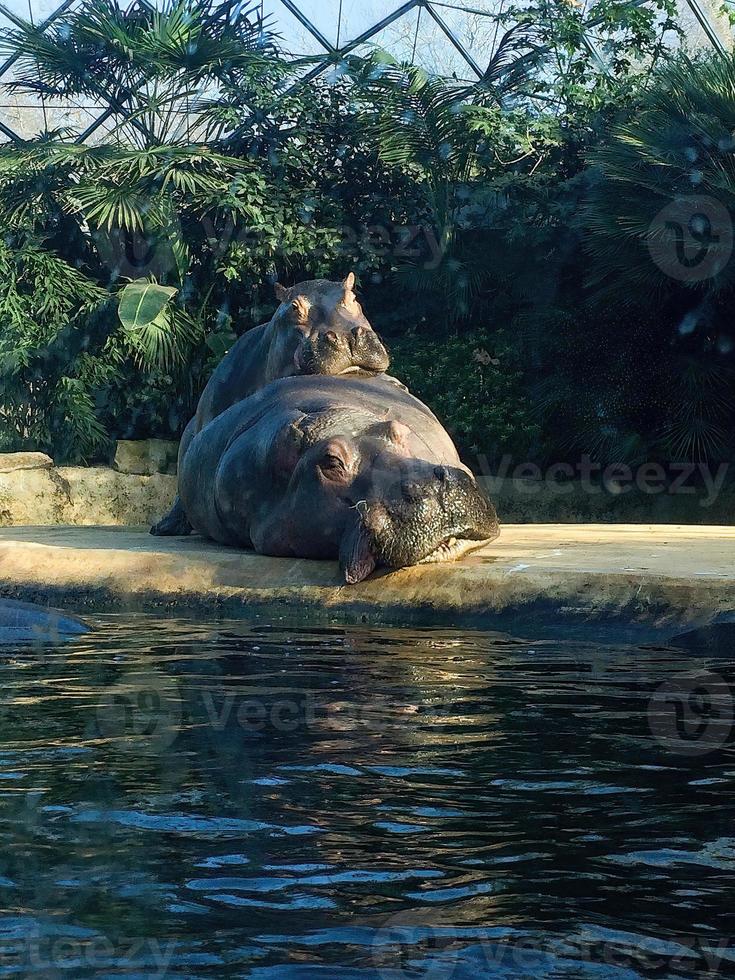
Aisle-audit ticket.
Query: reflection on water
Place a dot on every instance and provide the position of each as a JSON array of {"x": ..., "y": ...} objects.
[{"x": 196, "y": 800}]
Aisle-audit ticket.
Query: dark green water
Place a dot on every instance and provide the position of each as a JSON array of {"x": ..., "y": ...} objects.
[{"x": 203, "y": 800}]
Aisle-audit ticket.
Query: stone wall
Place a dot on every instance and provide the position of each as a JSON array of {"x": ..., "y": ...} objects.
[
  {"x": 41, "y": 493},
  {"x": 83, "y": 495}
]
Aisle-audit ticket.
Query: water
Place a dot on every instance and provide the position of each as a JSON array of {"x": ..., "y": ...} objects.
[{"x": 207, "y": 800}]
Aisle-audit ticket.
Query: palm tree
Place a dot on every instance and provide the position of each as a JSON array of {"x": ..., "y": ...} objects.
[
  {"x": 659, "y": 225},
  {"x": 149, "y": 70},
  {"x": 661, "y": 209}
]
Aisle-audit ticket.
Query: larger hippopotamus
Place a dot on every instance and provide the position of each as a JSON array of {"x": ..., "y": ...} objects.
[
  {"x": 318, "y": 328},
  {"x": 325, "y": 467}
]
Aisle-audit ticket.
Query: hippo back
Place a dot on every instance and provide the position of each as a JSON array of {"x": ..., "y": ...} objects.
[{"x": 379, "y": 397}]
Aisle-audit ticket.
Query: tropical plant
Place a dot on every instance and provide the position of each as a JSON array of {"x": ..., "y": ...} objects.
[
  {"x": 47, "y": 373},
  {"x": 476, "y": 387},
  {"x": 154, "y": 72},
  {"x": 660, "y": 215},
  {"x": 450, "y": 137},
  {"x": 660, "y": 229}
]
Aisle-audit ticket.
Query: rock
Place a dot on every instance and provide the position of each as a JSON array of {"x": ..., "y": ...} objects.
[
  {"x": 24, "y": 461},
  {"x": 146, "y": 456},
  {"x": 83, "y": 495}
]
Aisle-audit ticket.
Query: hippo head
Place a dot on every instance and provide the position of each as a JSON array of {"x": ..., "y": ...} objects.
[
  {"x": 330, "y": 332},
  {"x": 373, "y": 503}
]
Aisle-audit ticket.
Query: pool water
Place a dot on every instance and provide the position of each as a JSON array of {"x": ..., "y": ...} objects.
[{"x": 185, "y": 799}]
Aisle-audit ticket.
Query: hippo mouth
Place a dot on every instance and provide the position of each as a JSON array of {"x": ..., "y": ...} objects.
[
  {"x": 353, "y": 356},
  {"x": 356, "y": 369},
  {"x": 361, "y": 554},
  {"x": 306, "y": 365},
  {"x": 452, "y": 549}
]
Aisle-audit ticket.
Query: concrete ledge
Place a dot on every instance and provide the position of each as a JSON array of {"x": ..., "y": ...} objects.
[{"x": 656, "y": 575}]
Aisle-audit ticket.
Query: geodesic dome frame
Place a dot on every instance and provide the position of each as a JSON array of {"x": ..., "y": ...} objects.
[{"x": 327, "y": 32}]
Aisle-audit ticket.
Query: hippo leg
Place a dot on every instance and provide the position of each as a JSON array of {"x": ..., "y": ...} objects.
[{"x": 174, "y": 523}]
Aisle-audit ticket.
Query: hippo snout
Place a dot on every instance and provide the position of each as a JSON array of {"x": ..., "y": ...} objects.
[
  {"x": 341, "y": 348},
  {"x": 434, "y": 513}
]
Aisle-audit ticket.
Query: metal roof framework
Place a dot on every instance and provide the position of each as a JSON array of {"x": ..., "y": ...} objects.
[{"x": 436, "y": 10}]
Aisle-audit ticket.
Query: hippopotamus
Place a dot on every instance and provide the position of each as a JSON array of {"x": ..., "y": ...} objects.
[
  {"x": 29, "y": 623},
  {"x": 353, "y": 468},
  {"x": 318, "y": 328}
]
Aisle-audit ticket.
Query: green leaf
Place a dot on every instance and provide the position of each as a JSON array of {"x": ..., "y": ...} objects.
[
  {"x": 219, "y": 343},
  {"x": 141, "y": 302}
]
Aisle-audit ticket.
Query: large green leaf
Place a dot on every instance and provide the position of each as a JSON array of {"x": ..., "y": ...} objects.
[{"x": 141, "y": 302}]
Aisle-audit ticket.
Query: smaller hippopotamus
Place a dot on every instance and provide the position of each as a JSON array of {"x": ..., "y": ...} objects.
[
  {"x": 323, "y": 467},
  {"x": 318, "y": 328}
]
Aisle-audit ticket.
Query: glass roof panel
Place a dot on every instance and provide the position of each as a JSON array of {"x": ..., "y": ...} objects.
[
  {"x": 293, "y": 37},
  {"x": 477, "y": 31},
  {"x": 35, "y": 10},
  {"x": 358, "y": 16},
  {"x": 415, "y": 35},
  {"x": 399, "y": 38}
]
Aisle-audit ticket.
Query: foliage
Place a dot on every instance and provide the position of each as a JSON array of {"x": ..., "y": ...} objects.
[
  {"x": 474, "y": 388},
  {"x": 155, "y": 68},
  {"x": 660, "y": 219},
  {"x": 677, "y": 147},
  {"x": 46, "y": 368},
  {"x": 460, "y": 206}
]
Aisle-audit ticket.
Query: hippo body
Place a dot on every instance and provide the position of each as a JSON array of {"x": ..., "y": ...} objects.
[
  {"x": 23, "y": 623},
  {"x": 326, "y": 467},
  {"x": 318, "y": 328}
]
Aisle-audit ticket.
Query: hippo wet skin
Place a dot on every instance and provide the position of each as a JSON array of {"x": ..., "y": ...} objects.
[
  {"x": 318, "y": 328},
  {"x": 324, "y": 467},
  {"x": 23, "y": 623}
]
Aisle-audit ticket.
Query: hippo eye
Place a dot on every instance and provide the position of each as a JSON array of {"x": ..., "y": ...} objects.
[
  {"x": 300, "y": 307},
  {"x": 333, "y": 467}
]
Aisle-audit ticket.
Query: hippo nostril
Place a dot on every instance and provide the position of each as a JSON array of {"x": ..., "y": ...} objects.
[
  {"x": 441, "y": 473},
  {"x": 331, "y": 336},
  {"x": 358, "y": 331}
]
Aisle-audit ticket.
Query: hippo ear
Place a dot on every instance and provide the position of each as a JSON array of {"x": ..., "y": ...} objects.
[
  {"x": 395, "y": 432},
  {"x": 356, "y": 559},
  {"x": 348, "y": 292},
  {"x": 287, "y": 449},
  {"x": 281, "y": 292}
]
